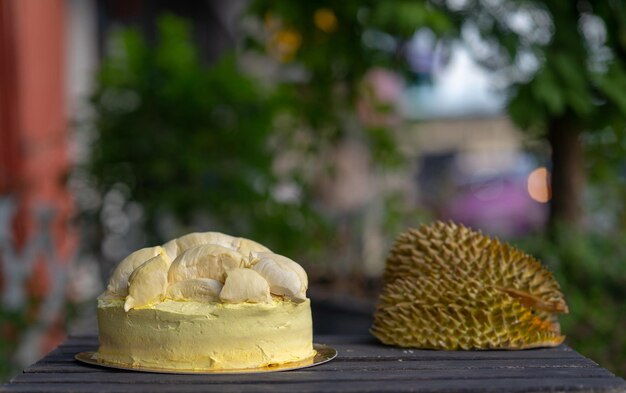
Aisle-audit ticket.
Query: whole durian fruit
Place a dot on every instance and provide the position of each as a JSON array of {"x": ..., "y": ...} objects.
[{"x": 448, "y": 287}]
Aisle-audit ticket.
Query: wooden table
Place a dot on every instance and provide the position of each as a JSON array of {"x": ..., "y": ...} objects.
[{"x": 362, "y": 365}]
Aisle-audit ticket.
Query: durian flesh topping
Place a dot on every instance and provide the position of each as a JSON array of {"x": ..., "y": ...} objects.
[
  {"x": 284, "y": 276},
  {"x": 448, "y": 287},
  {"x": 148, "y": 283},
  {"x": 206, "y": 267},
  {"x": 245, "y": 285},
  {"x": 118, "y": 283}
]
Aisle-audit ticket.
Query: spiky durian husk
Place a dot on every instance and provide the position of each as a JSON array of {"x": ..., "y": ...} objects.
[{"x": 448, "y": 287}]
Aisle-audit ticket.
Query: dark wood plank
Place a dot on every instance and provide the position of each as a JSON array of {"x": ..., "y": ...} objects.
[
  {"x": 374, "y": 353},
  {"x": 362, "y": 365},
  {"x": 66, "y": 365},
  {"x": 315, "y": 376},
  {"x": 514, "y": 385}
]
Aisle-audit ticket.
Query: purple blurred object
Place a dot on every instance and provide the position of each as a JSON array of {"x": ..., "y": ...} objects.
[{"x": 499, "y": 206}]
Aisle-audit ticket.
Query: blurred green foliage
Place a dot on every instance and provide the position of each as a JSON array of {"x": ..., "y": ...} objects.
[
  {"x": 193, "y": 141},
  {"x": 563, "y": 64},
  {"x": 335, "y": 45},
  {"x": 591, "y": 270},
  {"x": 605, "y": 163},
  {"x": 558, "y": 58},
  {"x": 590, "y": 264},
  {"x": 11, "y": 322},
  {"x": 15, "y": 325}
]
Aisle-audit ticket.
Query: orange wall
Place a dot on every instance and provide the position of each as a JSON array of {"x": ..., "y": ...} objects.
[
  {"x": 9, "y": 157},
  {"x": 41, "y": 128}
]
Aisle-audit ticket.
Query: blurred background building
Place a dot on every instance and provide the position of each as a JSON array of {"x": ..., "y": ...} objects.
[{"x": 320, "y": 129}]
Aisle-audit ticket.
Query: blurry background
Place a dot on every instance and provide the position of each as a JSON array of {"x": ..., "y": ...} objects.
[{"x": 319, "y": 128}]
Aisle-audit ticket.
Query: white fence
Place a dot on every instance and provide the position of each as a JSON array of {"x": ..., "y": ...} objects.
[{"x": 17, "y": 266}]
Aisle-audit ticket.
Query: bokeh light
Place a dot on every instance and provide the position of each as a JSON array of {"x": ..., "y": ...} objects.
[{"x": 539, "y": 185}]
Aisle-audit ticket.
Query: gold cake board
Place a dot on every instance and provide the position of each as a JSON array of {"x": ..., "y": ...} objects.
[{"x": 324, "y": 354}]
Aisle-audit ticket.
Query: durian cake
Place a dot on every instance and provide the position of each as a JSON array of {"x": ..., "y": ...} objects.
[
  {"x": 446, "y": 286},
  {"x": 205, "y": 301}
]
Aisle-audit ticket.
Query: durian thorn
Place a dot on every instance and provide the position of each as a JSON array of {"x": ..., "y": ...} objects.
[
  {"x": 401, "y": 305},
  {"x": 532, "y": 301}
]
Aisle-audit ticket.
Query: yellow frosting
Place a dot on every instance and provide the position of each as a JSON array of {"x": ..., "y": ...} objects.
[
  {"x": 205, "y": 335},
  {"x": 205, "y": 301}
]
